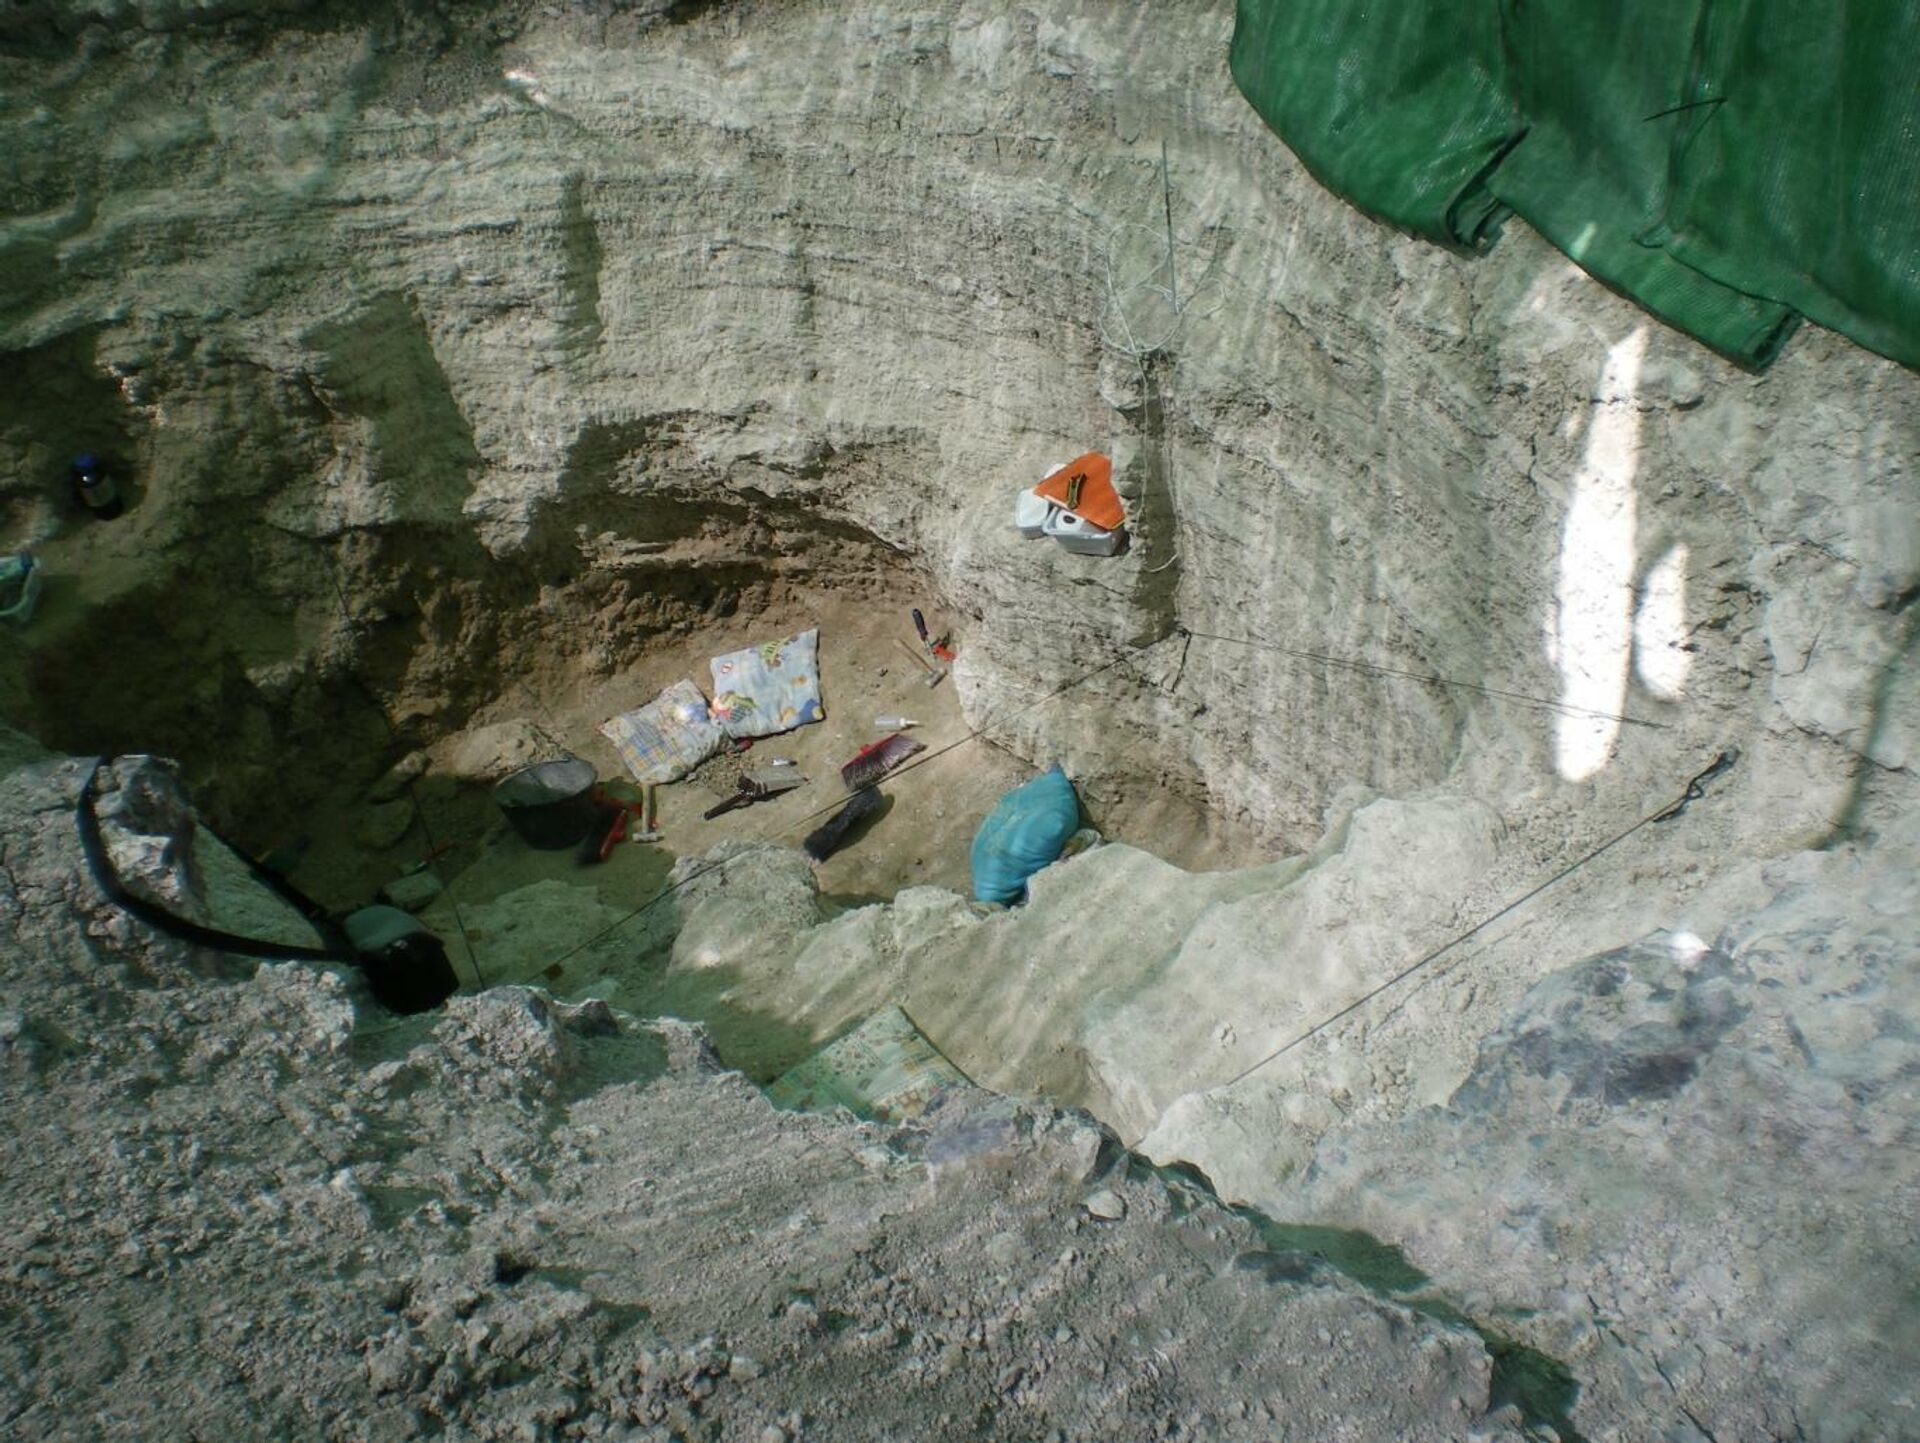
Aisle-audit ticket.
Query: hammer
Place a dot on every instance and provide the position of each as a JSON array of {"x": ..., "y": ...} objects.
[{"x": 935, "y": 674}]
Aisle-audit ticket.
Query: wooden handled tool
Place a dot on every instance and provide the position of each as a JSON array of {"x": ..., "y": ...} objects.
[{"x": 935, "y": 674}]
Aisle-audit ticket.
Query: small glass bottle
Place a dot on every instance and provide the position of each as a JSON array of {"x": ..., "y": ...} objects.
[
  {"x": 98, "y": 491},
  {"x": 893, "y": 723}
]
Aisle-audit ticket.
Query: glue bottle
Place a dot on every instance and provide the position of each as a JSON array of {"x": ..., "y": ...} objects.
[{"x": 893, "y": 723}]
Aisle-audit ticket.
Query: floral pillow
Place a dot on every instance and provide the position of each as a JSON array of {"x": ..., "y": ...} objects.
[{"x": 773, "y": 687}]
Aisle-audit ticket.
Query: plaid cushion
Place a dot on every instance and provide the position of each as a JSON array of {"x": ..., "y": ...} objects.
[{"x": 668, "y": 737}]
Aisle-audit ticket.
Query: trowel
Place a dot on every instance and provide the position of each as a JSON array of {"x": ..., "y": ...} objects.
[{"x": 756, "y": 787}]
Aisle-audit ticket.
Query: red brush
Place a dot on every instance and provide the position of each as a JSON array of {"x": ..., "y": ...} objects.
[
  {"x": 876, "y": 759},
  {"x": 610, "y": 825}
]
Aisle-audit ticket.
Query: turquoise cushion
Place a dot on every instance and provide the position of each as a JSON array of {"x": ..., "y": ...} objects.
[{"x": 1024, "y": 832}]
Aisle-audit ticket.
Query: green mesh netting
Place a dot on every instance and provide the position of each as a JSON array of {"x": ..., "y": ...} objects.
[{"x": 1732, "y": 165}]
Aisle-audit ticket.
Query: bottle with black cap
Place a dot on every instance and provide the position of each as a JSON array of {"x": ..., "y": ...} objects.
[{"x": 97, "y": 491}]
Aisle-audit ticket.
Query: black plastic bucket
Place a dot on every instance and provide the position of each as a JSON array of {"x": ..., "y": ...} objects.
[{"x": 550, "y": 804}]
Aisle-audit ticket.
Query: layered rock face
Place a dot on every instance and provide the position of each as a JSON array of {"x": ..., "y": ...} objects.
[
  {"x": 663, "y": 308},
  {"x": 436, "y": 347}
]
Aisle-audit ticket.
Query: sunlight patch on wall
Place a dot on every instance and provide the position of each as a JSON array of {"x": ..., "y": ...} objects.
[
  {"x": 1593, "y": 623},
  {"x": 1687, "y": 948},
  {"x": 528, "y": 84},
  {"x": 1660, "y": 655}
]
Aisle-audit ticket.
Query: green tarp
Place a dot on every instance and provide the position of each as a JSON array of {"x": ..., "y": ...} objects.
[{"x": 1732, "y": 165}]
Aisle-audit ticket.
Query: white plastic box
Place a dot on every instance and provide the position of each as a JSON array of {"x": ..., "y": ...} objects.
[
  {"x": 1030, "y": 514},
  {"x": 1081, "y": 537}
]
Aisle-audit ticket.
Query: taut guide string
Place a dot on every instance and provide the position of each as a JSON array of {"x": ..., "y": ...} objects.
[
  {"x": 1695, "y": 790},
  {"x": 413, "y": 796}
]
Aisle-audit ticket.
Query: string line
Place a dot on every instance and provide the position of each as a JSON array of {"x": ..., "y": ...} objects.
[{"x": 1694, "y": 791}]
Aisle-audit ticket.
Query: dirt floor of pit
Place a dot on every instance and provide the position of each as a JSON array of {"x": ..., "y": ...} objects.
[{"x": 922, "y": 839}]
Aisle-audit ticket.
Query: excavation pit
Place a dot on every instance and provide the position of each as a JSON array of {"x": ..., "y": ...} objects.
[
  {"x": 472, "y": 372},
  {"x": 351, "y": 729}
]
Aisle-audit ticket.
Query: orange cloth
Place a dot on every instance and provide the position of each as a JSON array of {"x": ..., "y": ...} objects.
[{"x": 1099, "y": 504}]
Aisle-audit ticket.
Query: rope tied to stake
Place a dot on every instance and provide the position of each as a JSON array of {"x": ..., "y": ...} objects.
[{"x": 1697, "y": 788}]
